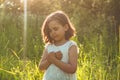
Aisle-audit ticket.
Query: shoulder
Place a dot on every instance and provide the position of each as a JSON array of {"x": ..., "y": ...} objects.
[
  {"x": 47, "y": 45},
  {"x": 73, "y": 45}
]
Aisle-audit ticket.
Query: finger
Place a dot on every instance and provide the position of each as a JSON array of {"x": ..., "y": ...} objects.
[{"x": 58, "y": 52}]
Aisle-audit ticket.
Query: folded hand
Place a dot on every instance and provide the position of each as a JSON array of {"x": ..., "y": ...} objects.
[
  {"x": 54, "y": 55},
  {"x": 51, "y": 57},
  {"x": 58, "y": 55}
]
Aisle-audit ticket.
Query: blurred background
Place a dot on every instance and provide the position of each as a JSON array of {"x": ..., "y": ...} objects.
[{"x": 97, "y": 23}]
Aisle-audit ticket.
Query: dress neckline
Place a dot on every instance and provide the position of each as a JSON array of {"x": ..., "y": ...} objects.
[{"x": 61, "y": 44}]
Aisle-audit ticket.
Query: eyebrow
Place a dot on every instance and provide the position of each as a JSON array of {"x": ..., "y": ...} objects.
[{"x": 53, "y": 27}]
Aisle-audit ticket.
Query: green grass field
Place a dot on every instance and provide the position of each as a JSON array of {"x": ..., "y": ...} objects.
[{"x": 96, "y": 61}]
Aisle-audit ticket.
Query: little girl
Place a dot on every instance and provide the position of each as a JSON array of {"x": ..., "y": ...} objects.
[{"x": 59, "y": 58}]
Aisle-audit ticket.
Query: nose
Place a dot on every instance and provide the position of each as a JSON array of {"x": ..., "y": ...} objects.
[{"x": 52, "y": 32}]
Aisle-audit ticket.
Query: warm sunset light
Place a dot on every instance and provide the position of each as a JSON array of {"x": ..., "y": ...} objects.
[
  {"x": 37, "y": 40},
  {"x": 25, "y": 30},
  {"x": 27, "y": 1}
]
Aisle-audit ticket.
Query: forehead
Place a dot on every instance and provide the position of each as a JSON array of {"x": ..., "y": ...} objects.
[{"x": 53, "y": 24}]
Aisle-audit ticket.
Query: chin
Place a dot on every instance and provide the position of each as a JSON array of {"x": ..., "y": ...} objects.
[{"x": 56, "y": 40}]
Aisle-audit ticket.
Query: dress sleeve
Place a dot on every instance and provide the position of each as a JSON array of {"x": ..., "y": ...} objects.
[
  {"x": 49, "y": 48},
  {"x": 74, "y": 43},
  {"x": 46, "y": 46}
]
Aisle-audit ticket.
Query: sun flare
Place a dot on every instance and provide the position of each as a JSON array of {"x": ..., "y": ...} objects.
[
  {"x": 22, "y": 1},
  {"x": 25, "y": 29}
]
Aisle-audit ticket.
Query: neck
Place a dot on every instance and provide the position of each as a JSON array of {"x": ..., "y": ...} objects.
[{"x": 57, "y": 43}]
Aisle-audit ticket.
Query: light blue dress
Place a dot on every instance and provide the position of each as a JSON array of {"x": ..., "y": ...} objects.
[{"x": 55, "y": 73}]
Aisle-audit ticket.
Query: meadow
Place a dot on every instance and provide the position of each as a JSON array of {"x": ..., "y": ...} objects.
[
  {"x": 97, "y": 24},
  {"x": 97, "y": 60}
]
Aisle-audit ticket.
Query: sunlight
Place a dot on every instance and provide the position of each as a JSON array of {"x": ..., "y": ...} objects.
[
  {"x": 2, "y": 11},
  {"x": 24, "y": 0},
  {"x": 25, "y": 29},
  {"x": 2, "y": 5},
  {"x": 21, "y": 1}
]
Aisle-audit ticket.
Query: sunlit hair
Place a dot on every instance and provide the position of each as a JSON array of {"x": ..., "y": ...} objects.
[{"x": 63, "y": 19}]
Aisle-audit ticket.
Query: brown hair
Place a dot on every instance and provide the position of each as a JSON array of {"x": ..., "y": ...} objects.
[{"x": 63, "y": 19}]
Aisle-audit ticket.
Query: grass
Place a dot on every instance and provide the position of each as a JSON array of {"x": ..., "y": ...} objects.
[
  {"x": 90, "y": 67},
  {"x": 94, "y": 62}
]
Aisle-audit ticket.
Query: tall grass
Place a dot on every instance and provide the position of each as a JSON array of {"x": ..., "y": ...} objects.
[{"x": 93, "y": 62}]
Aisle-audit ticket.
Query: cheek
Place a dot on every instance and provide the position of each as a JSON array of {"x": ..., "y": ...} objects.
[
  {"x": 62, "y": 33},
  {"x": 50, "y": 34}
]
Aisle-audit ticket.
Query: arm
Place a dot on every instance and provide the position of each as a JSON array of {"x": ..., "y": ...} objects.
[
  {"x": 44, "y": 64},
  {"x": 69, "y": 67}
]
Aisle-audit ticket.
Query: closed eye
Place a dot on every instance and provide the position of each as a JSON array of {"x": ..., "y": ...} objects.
[{"x": 55, "y": 28}]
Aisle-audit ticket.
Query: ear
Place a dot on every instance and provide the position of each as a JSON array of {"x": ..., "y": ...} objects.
[{"x": 66, "y": 27}]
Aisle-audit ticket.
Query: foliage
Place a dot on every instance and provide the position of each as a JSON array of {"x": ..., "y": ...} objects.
[{"x": 97, "y": 26}]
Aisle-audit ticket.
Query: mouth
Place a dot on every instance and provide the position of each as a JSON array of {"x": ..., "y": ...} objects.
[{"x": 54, "y": 37}]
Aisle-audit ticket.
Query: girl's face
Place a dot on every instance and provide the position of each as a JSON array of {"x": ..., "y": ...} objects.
[{"x": 57, "y": 31}]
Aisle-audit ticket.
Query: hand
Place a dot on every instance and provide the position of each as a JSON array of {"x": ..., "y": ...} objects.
[
  {"x": 58, "y": 55},
  {"x": 51, "y": 57}
]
